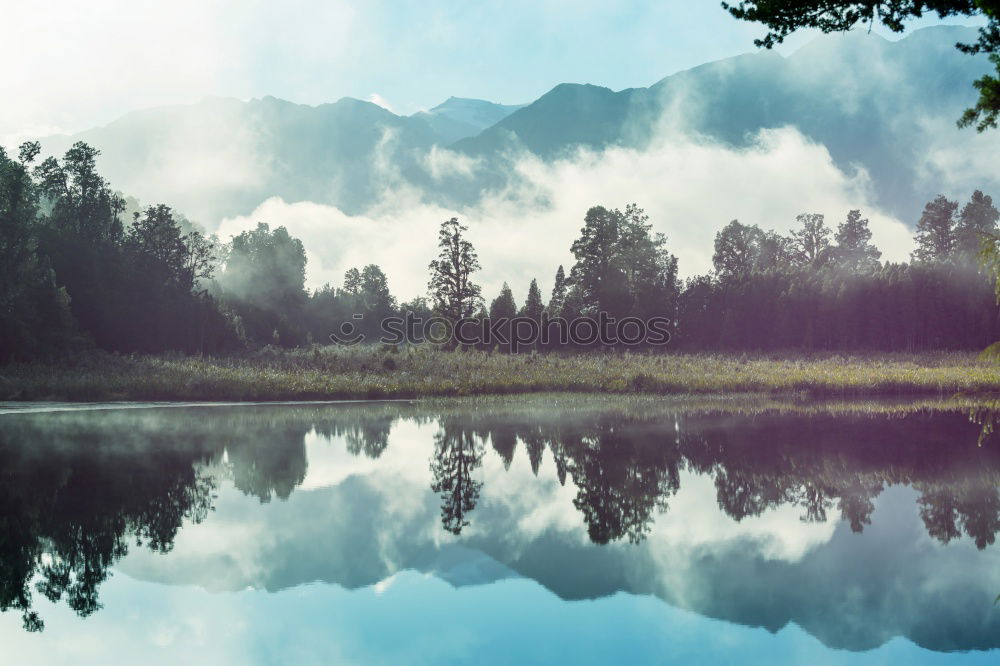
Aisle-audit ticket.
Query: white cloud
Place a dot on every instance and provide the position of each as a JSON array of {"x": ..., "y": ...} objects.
[
  {"x": 957, "y": 160},
  {"x": 443, "y": 163},
  {"x": 692, "y": 521},
  {"x": 695, "y": 521},
  {"x": 82, "y": 64},
  {"x": 690, "y": 188},
  {"x": 331, "y": 463}
]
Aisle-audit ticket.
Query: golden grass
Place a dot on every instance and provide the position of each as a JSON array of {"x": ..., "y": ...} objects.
[{"x": 373, "y": 372}]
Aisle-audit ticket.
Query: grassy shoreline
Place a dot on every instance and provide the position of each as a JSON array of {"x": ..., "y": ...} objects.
[{"x": 367, "y": 373}]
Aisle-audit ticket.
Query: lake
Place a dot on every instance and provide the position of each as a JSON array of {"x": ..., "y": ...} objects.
[{"x": 547, "y": 529}]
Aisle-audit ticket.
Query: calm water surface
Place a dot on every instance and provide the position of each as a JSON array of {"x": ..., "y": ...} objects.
[{"x": 541, "y": 530}]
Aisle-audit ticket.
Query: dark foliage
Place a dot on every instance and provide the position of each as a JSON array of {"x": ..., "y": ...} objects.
[
  {"x": 71, "y": 265},
  {"x": 73, "y": 273}
]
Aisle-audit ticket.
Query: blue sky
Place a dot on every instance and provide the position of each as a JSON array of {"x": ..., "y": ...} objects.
[{"x": 84, "y": 64}]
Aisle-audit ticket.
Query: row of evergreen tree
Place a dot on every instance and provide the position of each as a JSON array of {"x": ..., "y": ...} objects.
[
  {"x": 76, "y": 272},
  {"x": 806, "y": 291},
  {"x": 814, "y": 289}
]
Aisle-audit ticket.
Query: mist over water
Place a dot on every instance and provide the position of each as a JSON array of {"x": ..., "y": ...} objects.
[{"x": 860, "y": 526}]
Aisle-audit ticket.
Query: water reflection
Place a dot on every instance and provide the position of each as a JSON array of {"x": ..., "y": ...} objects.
[
  {"x": 458, "y": 453},
  {"x": 82, "y": 489}
]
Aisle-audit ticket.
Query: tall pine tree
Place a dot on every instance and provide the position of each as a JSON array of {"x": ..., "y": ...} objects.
[
  {"x": 558, "y": 298},
  {"x": 854, "y": 250},
  {"x": 533, "y": 306},
  {"x": 454, "y": 293},
  {"x": 503, "y": 306},
  {"x": 935, "y": 235},
  {"x": 976, "y": 223}
]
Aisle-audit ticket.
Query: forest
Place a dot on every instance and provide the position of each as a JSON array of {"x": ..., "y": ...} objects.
[{"x": 84, "y": 267}]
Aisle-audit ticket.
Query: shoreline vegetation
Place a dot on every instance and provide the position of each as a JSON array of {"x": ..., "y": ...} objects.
[
  {"x": 102, "y": 309},
  {"x": 89, "y": 268},
  {"x": 421, "y": 371}
]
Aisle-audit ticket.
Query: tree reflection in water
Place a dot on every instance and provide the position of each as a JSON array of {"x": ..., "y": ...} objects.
[
  {"x": 458, "y": 453},
  {"x": 79, "y": 489},
  {"x": 626, "y": 467},
  {"x": 69, "y": 508}
]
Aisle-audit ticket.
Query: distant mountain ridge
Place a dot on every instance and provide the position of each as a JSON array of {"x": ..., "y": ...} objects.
[
  {"x": 458, "y": 117},
  {"x": 872, "y": 103},
  {"x": 222, "y": 156},
  {"x": 886, "y": 107}
]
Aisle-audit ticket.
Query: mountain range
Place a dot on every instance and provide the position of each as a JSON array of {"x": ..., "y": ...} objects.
[{"x": 887, "y": 108}]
